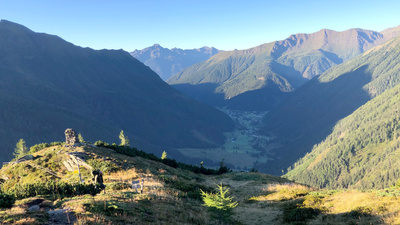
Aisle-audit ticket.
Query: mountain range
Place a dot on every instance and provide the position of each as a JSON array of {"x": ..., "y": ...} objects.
[
  {"x": 309, "y": 82},
  {"x": 258, "y": 78},
  {"x": 48, "y": 85},
  {"x": 166, "y": 62},
  {"x": 333, "y": 120}
]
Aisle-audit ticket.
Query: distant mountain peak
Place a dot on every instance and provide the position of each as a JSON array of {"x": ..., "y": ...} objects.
[
  {"x": 166, "y": 62},
  {"x": 9, "y": 24}
]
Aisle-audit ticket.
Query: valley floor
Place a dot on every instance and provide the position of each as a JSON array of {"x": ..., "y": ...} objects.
[{"x": 243, "y": 147}]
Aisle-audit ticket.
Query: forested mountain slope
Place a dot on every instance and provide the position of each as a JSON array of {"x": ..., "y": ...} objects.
[
  {"x": 167, "y": 62},
  {"x": 48, "y": 85},
  {"x": 361, "y": 152},
  {"x": 309, "y": 114},
  {"x": 257, "y": 78}
]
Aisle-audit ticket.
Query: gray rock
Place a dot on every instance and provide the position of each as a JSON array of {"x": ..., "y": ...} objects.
[
  {"x": 71, "y": 137},
  {"x": 34, "y": 208},
  {"x": 56, "y": 212}
]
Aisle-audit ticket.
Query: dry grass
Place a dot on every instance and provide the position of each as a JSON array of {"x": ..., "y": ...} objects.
[
  {"x": 257, "y": 213},
  {"x": 19, "y": 215},
  {"x": 262, "y": 199},
  {"x": 95, "y": 219},
  {"x": 26, "y": 221},
  {"x": 122, "y": 175},
  {"x": 377, "y": 208},
  {"x": 161, "y": 207},
  {"x": 288, "y": 191}
]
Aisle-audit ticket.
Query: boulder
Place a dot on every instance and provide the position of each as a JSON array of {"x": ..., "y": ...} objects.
[{"x": 33, "y": 208}]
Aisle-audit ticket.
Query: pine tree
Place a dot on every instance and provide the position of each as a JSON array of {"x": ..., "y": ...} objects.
[
  {"x": 80, "y": 138},
  {"x": 219, "y": 202},
  {"x": 124, "y": 139},
  {"x": 20, "y": 149},
  {"x": 164, "y": 155}
]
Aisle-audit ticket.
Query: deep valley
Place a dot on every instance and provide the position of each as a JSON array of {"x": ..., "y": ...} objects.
[{"x": 303, "y": 130}]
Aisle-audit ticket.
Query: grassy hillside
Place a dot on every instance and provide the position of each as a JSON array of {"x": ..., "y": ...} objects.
[
  {"x": 46, "y": 80},
  {"x": 257, "y": 78},
  {"x": 310, "y": 113},
  {"x": 172, "y": 195},
  {"x": 360, "y": 152}
]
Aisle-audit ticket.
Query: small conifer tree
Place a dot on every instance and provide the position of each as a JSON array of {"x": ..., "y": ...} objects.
[
  {"x": 80, "y": 138},
  {"x": 164, "y": 155},
  {"x": 20, "y": 149},
  {"x": 219, "y": 202},
  {"x": 124, "y": 139}
]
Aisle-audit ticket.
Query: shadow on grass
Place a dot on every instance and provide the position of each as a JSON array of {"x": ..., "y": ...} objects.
[{"x": 294, "y": 212}]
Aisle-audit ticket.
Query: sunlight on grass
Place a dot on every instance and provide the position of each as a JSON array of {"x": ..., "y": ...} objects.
[{"x": 282, "y": 192}]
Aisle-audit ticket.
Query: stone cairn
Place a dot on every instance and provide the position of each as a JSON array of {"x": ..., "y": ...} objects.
[{"x": 71, "y": 137}]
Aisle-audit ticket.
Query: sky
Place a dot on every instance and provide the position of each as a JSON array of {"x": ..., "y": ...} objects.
[{"x": 188, "y": 24}]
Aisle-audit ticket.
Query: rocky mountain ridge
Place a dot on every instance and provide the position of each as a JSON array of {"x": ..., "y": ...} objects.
[{"x": 166, "y": 62}]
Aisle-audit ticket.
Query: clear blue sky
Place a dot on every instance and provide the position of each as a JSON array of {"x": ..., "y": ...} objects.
[{"x": 224, "y": 24}]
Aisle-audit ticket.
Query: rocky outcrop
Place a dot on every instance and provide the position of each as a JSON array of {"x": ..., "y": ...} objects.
[
  {"x": 76, "y": 158},
  {"x": 71, "y": 137}
]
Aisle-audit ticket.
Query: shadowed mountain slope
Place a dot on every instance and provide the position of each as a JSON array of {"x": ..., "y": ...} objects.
[
  {"x": 272, "y": 69},
  {"x": 48, "y": 85},
  {"x": 310, "y": 113},
  {"x": 167, "y": 62}
]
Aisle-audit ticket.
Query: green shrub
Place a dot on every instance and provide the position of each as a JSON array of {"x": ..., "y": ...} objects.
[
  {"x": 105, "y": 166},
  {"x": 131, "y": 151},
  {"x": 57, "y": 189},
  {"x": 100, "y": 143},
  {"x": 293, "y": 213},
  {"x": 38, "y": 147},
  {"x": 6, "y": 201},
  {"x": 170, "y": 162}
]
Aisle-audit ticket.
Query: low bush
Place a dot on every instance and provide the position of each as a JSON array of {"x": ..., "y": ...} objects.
[
  {"x": 295, "y": 214},
  {"x": 6, "y": 201},
  {"x": 130, "y": 151},
  {"x": 57, "y": 189},
  {"x": 38, "y": 147},
  {"x": 103, "y": 165},
  {"x": 41, "y": 146}
]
